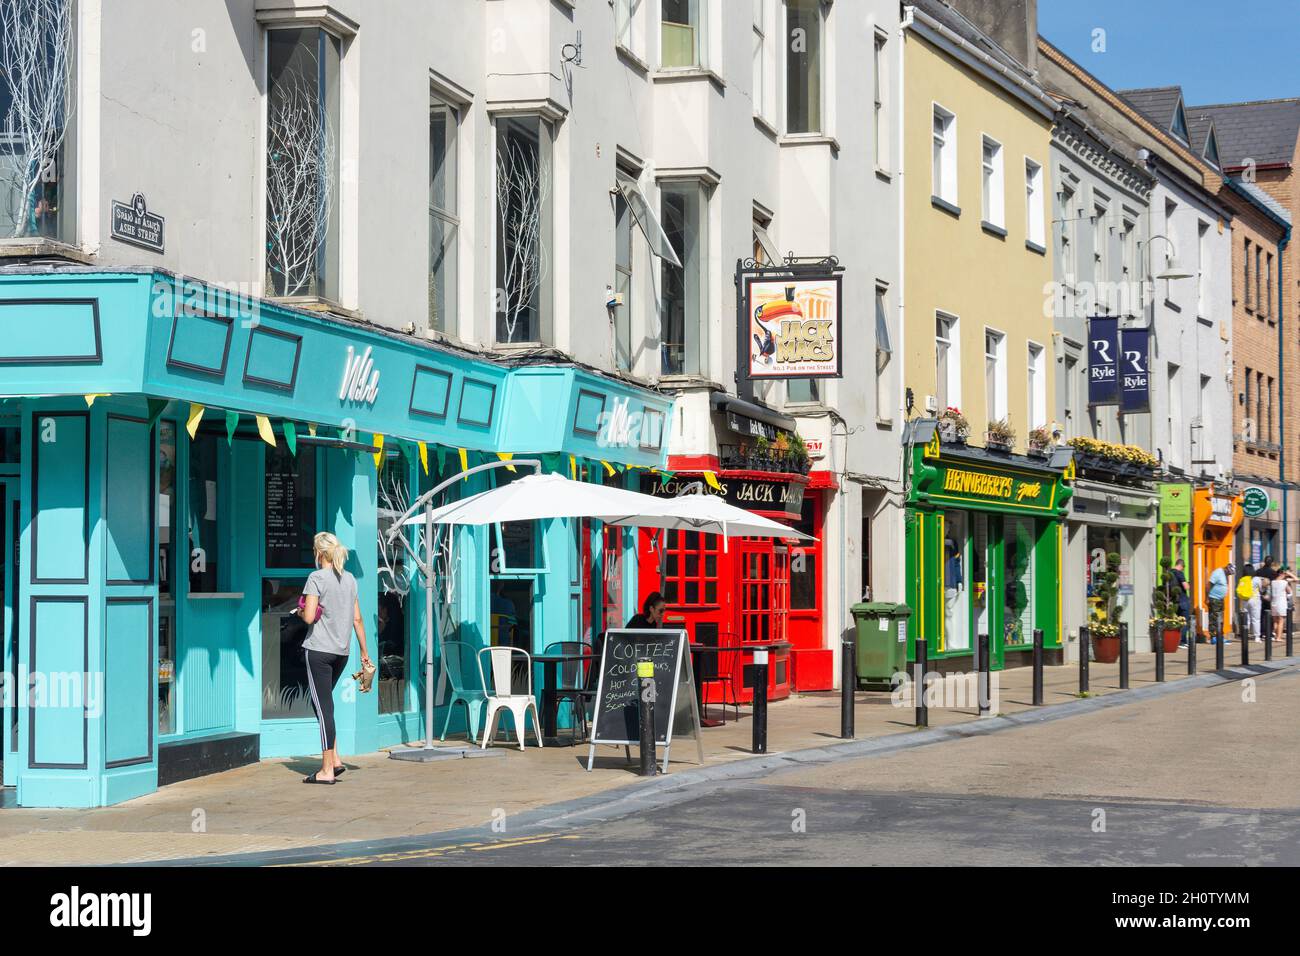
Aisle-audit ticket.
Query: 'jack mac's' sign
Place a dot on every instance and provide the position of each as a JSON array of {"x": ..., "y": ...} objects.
[{"x": 793, "y": 327}]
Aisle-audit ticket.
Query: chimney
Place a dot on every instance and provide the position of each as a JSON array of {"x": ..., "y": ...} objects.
[{"x": 1012, "y": 24}]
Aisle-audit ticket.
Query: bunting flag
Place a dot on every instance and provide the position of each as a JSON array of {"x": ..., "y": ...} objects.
[
  {"x": 156, "y": 407},
  {"x": 573, "y": 467},
  {"x": 664, "y": 478},
  {"x": 265, "y": 430},
  {"x": 195, "y": 416},
  {"x": 90, "y": 398},
  {"x": 424, "y": 456},
  {"x": 464, "y": 462},
  {"x": 712, "y": 480},
  {"x": 442, "y": 460},
  {"x": 506, "y": 456},
  {"x": 232, "y": 422},
  {"x": 378, "y": 442},
  {"x": 609, "y": 469},
  {"x": 291, "y": 437}
]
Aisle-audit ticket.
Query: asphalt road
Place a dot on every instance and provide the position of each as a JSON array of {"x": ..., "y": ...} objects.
[{"x": 1203, "y": 777}]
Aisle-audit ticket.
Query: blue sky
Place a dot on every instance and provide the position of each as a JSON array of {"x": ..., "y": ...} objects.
[{"x": 1218, "y": 52}]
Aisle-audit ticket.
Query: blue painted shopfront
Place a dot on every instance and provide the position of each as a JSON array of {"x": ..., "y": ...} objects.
[{"x": 149, "y": 576}]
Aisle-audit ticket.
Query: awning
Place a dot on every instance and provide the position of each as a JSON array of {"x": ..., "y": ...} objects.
[{"x": 749, "y": 418}]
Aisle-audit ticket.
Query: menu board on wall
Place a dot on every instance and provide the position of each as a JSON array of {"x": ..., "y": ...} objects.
[{"x": 289, "y": 494}]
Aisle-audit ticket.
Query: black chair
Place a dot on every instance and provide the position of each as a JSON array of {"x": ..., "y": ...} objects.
[
  {"x": 718, "y": 668},
  {"x": 573, "y": 680}
]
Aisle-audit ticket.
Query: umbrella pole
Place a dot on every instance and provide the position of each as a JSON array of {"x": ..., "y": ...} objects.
[{"x": 430, "y": 625}]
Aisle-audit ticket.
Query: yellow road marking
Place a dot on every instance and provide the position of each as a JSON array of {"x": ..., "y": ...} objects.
[{"x": 433, "y": 852}]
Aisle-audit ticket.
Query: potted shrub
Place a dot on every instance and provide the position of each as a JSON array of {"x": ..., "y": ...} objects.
[
  {"x": 1104, "y": 626},
  {"x": 762, "y": 451},
  {"x": 781, "y": 447},
  {"x": 1000, "y": 436},
  {"x": 799, "y": 453},
  {"x": 953, "y": 427},
  {"x": 1038, "y": 442},
  {"x": 1166, "y": 623}
]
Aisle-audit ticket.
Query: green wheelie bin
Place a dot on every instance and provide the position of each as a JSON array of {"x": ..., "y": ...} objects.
[{"x": 882, "y": 642}]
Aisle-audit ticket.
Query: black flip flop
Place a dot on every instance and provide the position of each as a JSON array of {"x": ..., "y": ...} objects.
[
  {"x": 339, "y": 771},
  {"x": 312, "y": 779}
]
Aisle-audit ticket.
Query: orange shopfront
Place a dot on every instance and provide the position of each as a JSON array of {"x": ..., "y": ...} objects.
[
  {"x": 1216, "y": 515},
  {"x": 753, "y": 591}
]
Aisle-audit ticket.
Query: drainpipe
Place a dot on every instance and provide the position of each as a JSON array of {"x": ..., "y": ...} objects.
[
  {"x": 1281, "y": 392},
  {"x": 900, "y": 544}
]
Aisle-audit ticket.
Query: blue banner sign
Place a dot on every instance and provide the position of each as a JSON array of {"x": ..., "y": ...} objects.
[
  {"x": 1103, "y": 360},
  {"x": 1135, "y": 377}
]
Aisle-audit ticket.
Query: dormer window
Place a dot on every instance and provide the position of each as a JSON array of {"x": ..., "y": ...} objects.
[
  {"x": 1179, "y": 126},
  {"x": 1211, "y": 154}
]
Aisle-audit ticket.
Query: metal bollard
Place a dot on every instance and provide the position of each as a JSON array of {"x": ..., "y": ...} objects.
[
  {"x": 1158, "y": 642},
  {"x": 848, "y": 684},
  {"x": 1245, "y": 650},
  {"x": 760, "y": 701},
  {"x": 1123, "y": 657},
  {"x": 1268, "y": 643},
  {"x": 645, "y": 672},
  {"x": 1289, "y": 650},
  {"x": 1038, "y": 667},
  {"x": 1085, "y": 646},
  {"x": 918, "y": 687},
  {"x": 985, "y": 705},
  {"x": 1191, "y": 650},
  {"x": 1243, "y": 634}
]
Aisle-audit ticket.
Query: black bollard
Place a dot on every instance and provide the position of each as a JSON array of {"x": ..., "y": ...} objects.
[
  {"x": 1123, "y": 657},
  {"x": 848, "y": 683},
  {"x": 760, "y": 701},
  {"x": 1243, "y": 634},
  {"x": 1245, "y": 648},
  {"x": 1288, "y": 632},
  {"x": 1085, "y": 641},
  {"x": 1268, "y": 642},
  {"x": 1158, "y": 642},
  {"x": 918, "y": 687},
  {"x": 1038, "y": 667},
  {"x": 645, "y": 672},
  {"x": 985, "y": 705},
  {"x": 1191, "y": 649}
]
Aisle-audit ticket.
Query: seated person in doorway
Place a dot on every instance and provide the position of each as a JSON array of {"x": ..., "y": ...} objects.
[{"x": 652, "y": 614}]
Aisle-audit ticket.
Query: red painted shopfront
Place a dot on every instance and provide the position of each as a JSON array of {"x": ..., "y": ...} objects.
[{"x": 755, "y": 591}]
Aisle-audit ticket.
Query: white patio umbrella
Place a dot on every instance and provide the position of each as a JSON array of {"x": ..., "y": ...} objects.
[{"x": 711, "y": 515}]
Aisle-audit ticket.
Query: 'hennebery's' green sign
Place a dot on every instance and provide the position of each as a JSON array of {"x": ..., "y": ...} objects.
[{"x": 968, "y": 482}]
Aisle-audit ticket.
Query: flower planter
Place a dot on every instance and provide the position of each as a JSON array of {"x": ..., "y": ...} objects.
[
  {"x": 1105, "y": 650},
  {"x": 1171, "y": 638},
  {"x": 998, "y": 447},
  {"x": 1037, "y": 451}
]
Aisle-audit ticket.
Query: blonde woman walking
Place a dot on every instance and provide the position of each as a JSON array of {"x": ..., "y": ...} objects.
[{"x": 330, "y": 608}]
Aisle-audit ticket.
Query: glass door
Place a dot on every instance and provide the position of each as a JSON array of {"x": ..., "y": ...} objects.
[
  {"x": 981, "y": 579},
  {"x": 9, "y": 622}
]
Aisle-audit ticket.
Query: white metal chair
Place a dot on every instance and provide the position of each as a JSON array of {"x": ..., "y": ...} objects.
[{"x": 502, "y": 659}]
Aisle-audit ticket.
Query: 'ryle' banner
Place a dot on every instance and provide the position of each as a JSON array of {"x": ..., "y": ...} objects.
[
  {"x": 1103, "y": 360},
  {"x": 1135, "y": 379}
]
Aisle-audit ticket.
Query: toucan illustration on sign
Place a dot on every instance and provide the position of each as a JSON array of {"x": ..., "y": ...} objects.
[{"x": 768, "y": 316}]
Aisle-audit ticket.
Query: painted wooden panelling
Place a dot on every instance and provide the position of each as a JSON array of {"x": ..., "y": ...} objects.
[{"x": 128, "y": 681}]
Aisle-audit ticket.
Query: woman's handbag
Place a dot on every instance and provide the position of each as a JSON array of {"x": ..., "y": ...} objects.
[
  {"x": 302, "y": 609},
  {"x": 365, "y": 677}
]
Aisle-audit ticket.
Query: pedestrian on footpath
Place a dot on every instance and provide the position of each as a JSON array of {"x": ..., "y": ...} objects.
[
  {"x": 1248, "y": 595},
  {"x": 1217, "y": 594},
  {"x": 329, "y": 606},
  {"x": 1184, "y": 598},
  {"x": 1281, "y": 600},
  {"x": 1268, "y": 572}
]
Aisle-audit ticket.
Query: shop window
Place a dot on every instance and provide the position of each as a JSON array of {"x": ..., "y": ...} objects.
[
  {"x": 979, "y": 578},
  {"x": 1019, "y": 618},
  {"x": 805, "y": 560},
  {"x": 166, "y": 517},
  {"x": 690, "y": 569},
  {"x": 302, "y": 162},
  {"x": 957, "y": 548},
  {"x": 803, "y": 66},
  {"x": 36, "y": 102},
  {"x": 683, "y": 296},
  {"x": 524, "y": 254},
  {"x": 285, "y": 691},
  {"x": 209, "y": 514},
  {"x": 395, "y": 577},
  {"x": 290, "y": 509},
  {"x": 444, "y": 217}
]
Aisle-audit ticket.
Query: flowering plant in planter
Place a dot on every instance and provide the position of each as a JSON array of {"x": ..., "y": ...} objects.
[
  {"x": 1039, "y": 438},
  {"x": 1001, "y": 433},
  {"x": 1125, "y": 454},
  {"x": 1103, "y": 623},
  {"x": 953, "y": 425}
]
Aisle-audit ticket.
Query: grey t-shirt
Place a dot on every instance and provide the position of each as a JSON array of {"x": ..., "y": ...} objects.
[{"x": 332, "y": 632}]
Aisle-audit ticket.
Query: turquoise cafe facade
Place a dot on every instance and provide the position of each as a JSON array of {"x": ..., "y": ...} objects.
[{"x": 169, "y": 449}]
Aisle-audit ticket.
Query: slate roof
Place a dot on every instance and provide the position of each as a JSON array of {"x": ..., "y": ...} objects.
[
  {"x": 958, "y": 24},
  {"x": 1156, "y": 103},
  {"x": 1262, "y": 130}
]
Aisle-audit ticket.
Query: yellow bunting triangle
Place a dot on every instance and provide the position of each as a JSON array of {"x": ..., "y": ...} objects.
[
  {"x": 464, "y": 461},
  {"x": 609, "y": 469},
  {"x": 573, "y": 467},
  {"x": 192, "y": 423},
  {"x": 264, "y": 429},
  {"x": 424, "y": 456},
  {"x": 712, "y": 480},
  {"x": 90, "y": 399},
  {"x": 378, "y": 442},
  {"x": 506, "y": 456}
]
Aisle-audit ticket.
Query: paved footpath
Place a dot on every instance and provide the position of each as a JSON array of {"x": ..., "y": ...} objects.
[{"x": 261, "y": 809}]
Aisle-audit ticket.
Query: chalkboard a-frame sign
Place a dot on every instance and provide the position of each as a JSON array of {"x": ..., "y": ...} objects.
[{"x": 617, "y": 717}]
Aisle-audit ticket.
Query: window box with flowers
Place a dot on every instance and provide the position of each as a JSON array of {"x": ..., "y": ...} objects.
[
  {"x": 953, "y": 427},
  {"x": 1038, "y": 443},
  {"x": 1110, "y": 461},
  {"x": 999, "y": 436}
]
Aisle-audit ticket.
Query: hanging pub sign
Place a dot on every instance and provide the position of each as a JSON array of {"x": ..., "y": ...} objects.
[
  {"x": 1135, "y": 379},
  {"x": 1103, "y": 360},
  {"x": 791, "y": 325}
]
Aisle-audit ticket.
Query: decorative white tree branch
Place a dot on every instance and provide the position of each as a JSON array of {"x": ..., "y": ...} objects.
[
  {"x": 300, "y": 180},
  {"x": 523, "y": 183},
  {"x": 36, "y": 65}
]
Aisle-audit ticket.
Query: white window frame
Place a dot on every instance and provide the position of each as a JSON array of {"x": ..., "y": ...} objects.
[
  {"x": 705, "y": 229},
  {"x": 999, "y": 356},
  {"x": 450, "y": 215},
  {"x": 1034, "y": 203},
  {"x": 952, "y": 358},
  {"x": 1202, "y": 268},
  {"x": 884, "y": 356},
  {"x": 880, "y": 92},
  {"x": 699, "y": 36},
  {"x": 992, "y": 192},
  {"x": 822, "y": 126},
  {"x": 1036, "y": 393},
  {"x": 629, "y": 26},
  {"x": 762, "y": 55},
  {"x": 1101, "y": 252},
  {"x": 1174, "y": 389},
  {"x": 943, "y": 154}
]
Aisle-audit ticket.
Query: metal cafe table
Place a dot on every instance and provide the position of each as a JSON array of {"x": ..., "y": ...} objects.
[{"x": 551, "y": 696}]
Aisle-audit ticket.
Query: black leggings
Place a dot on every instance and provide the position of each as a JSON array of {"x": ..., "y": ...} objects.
[{"x": 323, "y": 672}]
